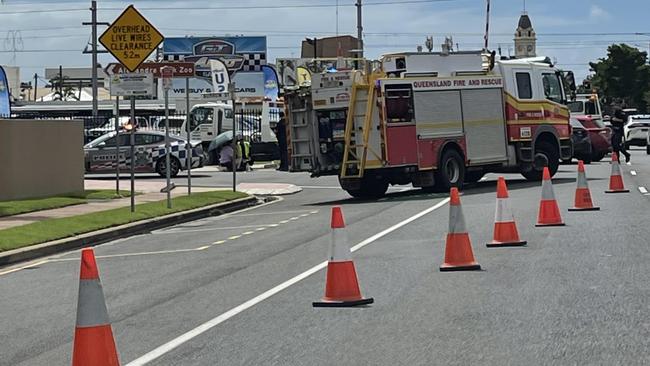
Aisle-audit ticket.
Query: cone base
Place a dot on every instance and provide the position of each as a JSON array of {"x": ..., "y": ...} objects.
[
  {"x": 595, "y": 208},
  {"x": 342, "y": 304},
  {"x": 496, "y": 244},
  {"x": 618, "y": 191},
  {"x": 469, "y": 267},
  {"x": 555, "y": 224}
]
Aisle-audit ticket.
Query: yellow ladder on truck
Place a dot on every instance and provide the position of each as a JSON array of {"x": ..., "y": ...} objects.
[{"x": 359, "y": 119}]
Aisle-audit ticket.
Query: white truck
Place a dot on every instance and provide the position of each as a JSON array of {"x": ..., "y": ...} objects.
[{"x": 254, "y": 122}]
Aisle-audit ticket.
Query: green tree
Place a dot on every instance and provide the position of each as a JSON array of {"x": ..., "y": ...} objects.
[{"x": 623, "y": 77}]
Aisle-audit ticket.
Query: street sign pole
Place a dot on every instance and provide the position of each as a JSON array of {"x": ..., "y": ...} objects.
[
  {"x": 117, "y": 146},
  {"x": 231, "y": 89},
  {"x": 132, "y": 157},
  {"x": 167, "y": 75},
  {"x": 189, "y": 139}
]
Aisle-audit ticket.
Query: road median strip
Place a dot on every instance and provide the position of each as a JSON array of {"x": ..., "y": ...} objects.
[{"x": 55, "y": 235}]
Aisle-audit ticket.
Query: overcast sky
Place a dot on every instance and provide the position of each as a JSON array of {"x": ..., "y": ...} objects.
[{"x": 573, "y": 32}]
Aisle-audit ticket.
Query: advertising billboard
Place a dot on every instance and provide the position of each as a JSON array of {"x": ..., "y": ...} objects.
[{"x": 244, "y": 58}]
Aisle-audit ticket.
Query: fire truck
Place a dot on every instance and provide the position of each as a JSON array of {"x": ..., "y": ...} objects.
[{"x": 433, "y": 120}]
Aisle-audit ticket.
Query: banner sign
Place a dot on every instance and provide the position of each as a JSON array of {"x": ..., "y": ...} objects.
[
  {"x": 242, "y": 57},
  {"x": 5, "y": 105}
]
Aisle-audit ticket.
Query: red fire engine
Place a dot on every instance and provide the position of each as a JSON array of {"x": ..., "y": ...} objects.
[{"x": 434, "y": 120}]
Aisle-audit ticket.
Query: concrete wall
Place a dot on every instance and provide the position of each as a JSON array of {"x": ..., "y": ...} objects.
[{"x": 40, "y": 158}]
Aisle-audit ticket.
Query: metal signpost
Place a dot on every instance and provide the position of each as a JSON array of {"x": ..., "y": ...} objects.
[
  {"x": 231, "y": 90},
  {"x": 167, "y": 75},
  {"x": 117, "y": 146},
  {"x": 131, "y": 39},
  {"x": 189, "y": 138}
]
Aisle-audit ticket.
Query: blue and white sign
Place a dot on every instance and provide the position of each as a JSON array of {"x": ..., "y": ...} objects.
[{"x": 243, "y": 57}]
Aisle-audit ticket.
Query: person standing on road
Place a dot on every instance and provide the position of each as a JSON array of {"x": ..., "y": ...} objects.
[
  {"x": 281, "y": 134},
  {"x": 618, "y": 123}
]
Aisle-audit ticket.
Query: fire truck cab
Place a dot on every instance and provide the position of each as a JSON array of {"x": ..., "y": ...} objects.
[{"x": 437, "y": 120}]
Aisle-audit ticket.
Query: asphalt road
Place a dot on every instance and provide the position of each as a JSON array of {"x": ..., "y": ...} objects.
[{"x": 576, "y": 295}]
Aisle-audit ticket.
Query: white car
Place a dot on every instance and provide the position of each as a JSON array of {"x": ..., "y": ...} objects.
[{"x": 636, "y": 130}]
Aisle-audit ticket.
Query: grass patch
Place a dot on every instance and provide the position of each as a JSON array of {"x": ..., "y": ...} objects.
[
  {"x": 53, "y": 229},
  {"x": 104, "y": 194},
  {"x": 9, "y": 208}
]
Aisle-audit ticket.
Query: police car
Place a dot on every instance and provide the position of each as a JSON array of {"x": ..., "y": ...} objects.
[{"x": 149, "y": 153}]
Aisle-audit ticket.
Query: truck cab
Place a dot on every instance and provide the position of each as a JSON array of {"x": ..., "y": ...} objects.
[{"x": 208, "y": 120}]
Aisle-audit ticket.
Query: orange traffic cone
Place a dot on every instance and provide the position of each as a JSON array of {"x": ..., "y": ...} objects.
[
  {"x": 549, "y": 212},
  {"x": 505, "y": 228},
  {"x": 341, "y": 286},
  {"x": 583, "y": 195},
  {"x": 615, "y": 179},
  {"x": 458, "y": 249},
  {"x": 93, "y": 336}
]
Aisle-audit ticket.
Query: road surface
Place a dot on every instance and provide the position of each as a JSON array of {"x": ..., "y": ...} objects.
[{"x": 239, "y": 288}]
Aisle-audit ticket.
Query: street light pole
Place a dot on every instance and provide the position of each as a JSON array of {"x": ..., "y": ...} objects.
[{"x": 359, "y": 29}]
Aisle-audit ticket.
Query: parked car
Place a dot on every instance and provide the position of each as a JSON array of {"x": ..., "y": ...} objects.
[
  {"x": 581, "y": 141},
  {"x": 636, "y": 130},
  {"x": 149, "y": 153},
  {"x": 600, "y": 137}
]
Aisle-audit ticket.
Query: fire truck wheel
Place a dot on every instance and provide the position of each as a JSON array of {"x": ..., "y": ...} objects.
[
  {"x": 549, "y": 154},
  {"x": 451, "y": 171}
]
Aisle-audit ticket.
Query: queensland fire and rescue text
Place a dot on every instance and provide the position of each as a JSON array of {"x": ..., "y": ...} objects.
[{"x": 457, "y": 83}]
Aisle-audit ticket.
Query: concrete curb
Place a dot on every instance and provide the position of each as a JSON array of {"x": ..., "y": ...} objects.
[{"x": 105, "y": 235}]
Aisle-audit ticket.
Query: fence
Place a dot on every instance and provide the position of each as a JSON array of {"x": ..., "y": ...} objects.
[{"x": 248, "y": 122}]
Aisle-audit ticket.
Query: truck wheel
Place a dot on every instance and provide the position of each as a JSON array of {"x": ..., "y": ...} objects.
[
  {"x": 174, "y": 164},
  {"x": 647, "y": 149},
  {"x": 451, "y": 171},
  {"x": 545, "y": 154}
]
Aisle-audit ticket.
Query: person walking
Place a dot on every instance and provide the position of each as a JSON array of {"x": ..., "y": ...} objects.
[{"x": 618, "y": 123}]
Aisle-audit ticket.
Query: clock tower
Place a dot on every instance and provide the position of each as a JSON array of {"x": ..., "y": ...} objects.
[{"x": 525, "y": 38}]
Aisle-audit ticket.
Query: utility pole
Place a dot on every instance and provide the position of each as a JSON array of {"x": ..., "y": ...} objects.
[
  {"x": 35, "y": 86},
  {"x": 93, "y": 10},
  {"x": 93, "y": 43},
  {"x": 359, "y": 29}
]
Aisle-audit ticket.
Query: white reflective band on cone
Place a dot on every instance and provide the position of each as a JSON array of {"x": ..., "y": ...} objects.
[
  {"x": 616, "y": 169},
  {"x": 456, "y": 220},
  {"x": 582, "y": 180},
  {"x": 91, "y": 307},
  {"x": 503, "y": 213},
  {"x": 547, "y": 190},
  {"x": 339, "y": 249}
]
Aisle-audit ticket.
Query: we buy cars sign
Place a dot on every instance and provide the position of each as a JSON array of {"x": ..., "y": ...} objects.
[{"x": 180, "y": 69}]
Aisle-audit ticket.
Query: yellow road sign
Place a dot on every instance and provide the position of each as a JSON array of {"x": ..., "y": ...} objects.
[{"x": 131, "y": 38}]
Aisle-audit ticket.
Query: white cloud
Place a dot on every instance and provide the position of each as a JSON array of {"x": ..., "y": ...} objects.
[{"x": 596, "y": 13}]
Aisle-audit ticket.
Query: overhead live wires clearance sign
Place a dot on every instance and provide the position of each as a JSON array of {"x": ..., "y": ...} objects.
[{"x": 131, "y": 38}]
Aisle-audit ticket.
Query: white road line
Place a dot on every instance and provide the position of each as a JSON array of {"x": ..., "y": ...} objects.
[
  {"x": 273, "y": 213},
  {"x": 172, "y": 251},
  {"x": 24, "y": 267},
  {"x": 183, "y": 231},
  {"x": 234, "y": 237},
  {"x": 218, "y": 242},
  {"x": 248, "y": 233},
  {"x": 283, "y": 222},
  {"x": 169, "y": 346},
  {"x": 643, "y": 190}
]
